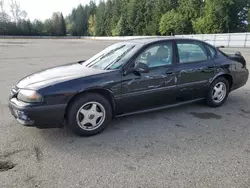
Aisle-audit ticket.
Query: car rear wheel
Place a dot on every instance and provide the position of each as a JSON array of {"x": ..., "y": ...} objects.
[
  {"x": 218, "y": 92},
  {"x": 89, "y": 114}
]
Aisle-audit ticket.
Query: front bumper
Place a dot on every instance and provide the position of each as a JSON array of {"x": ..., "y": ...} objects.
[{"x": 43, "y": 116}]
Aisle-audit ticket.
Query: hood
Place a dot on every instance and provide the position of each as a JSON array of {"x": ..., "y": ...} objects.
[{"x": 56, "y": 75}]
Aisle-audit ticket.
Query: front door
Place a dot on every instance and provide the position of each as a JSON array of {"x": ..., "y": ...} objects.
[
  {"x": 155, "y": 88},
  {"x": 195, "y": 69}
]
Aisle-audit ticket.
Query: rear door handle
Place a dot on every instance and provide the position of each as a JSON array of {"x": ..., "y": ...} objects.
[{"x": 206, "y": 69}]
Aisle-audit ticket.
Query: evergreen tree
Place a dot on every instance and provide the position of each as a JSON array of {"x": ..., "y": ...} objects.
[
  {"x": 248, "y": 20},
  {"x": 121, "y": 28},
  {"x": 237, "y": 13},
  {"x": 173, "y": 23},
  {"x": 134, "y": 17},
  {"x": 108, "y": 18},
  {"x": 161, "y": 7},
  {"x": 56, "y": 24},
  {"x": 77, "y": 22},
  {"x": 215, "y": 18},
  {"x": 100, "y": 19},
  {"x": 92, "y": 8},
  {"x": 116, "y": 13},
  {"x": 190, "y": 10},
  {"x": 38, "y": 27},
  {"x": 48, "y": 27},
  {"x": 150, "y": 27},
  {"x": 92, "y": 25},
  {"x": 62, "y": 25}
]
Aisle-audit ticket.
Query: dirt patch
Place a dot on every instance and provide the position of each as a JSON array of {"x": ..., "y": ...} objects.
[
  {"x": 6, "y": 165},
  {"x": 245, "y": 111},
  {"x": 29, "y": 178},
  {"x": 10, "y": 153},
  {"x": 38, "y": 153},
  {"x": 247, "y": 151},
  {"x": 131, "y": 168},
  {"x": 243, "y": 115},
  {"x": 206, "y": 115},
  {"x": 180, "y": 126}
]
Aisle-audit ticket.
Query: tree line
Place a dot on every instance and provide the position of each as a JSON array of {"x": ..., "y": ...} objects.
[{"x": 133, "y": 17}]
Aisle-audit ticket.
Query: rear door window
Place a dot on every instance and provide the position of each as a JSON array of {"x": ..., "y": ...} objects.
[{"x": 190, "y": 52}]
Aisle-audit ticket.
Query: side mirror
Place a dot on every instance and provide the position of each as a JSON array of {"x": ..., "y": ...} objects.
[
  {"x": 238, "y": 54},
  {"x": 80, "y": 62},
  {"x": 142, "y": 68}
]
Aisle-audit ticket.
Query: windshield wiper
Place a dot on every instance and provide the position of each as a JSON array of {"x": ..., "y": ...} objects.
[
  {"x": 103, "y": 56},
  {"x": 118, "y": 58},
  {"x": 112, "y": 51}
]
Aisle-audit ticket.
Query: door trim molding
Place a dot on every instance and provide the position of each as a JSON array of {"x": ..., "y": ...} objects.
[
  {"x": 193, "y": 83},
  {"x": 148, "y": 91},
  {"x": 160, "y": 108}
]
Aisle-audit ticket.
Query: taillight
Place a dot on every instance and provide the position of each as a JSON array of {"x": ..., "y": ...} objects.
[{"x": 239, "y": 58}]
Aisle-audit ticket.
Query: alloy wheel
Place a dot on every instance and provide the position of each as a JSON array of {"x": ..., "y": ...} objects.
[
  {"x": 219, "y": 92},
  {"x": 91, "y": 116}
]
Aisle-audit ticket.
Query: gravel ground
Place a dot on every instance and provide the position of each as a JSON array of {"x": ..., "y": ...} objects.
[{"x": 189, "y": 146}]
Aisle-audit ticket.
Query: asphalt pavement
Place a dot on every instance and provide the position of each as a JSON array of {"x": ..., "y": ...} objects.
[{"x": 189, "y": 146}]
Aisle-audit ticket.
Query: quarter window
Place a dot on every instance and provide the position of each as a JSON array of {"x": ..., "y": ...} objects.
[
  {"x": 212, "y": 51},
  {"x": 157, "y": 55},
  {"x": 191, "y": 52}
]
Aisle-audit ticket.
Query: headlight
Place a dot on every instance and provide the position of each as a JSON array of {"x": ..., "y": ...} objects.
[{"x": 29, "y": 96}]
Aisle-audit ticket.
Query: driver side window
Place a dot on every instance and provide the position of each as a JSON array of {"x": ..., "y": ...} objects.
[{"x": 156, "y": 55}]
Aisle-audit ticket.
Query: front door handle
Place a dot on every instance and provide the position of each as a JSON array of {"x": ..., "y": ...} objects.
[{"x": 170, "y": 72}]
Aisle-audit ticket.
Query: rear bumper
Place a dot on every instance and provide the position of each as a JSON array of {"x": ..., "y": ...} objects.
[
  {"x": 240, "y": 79},
  {"x": 49, "y": 116}
]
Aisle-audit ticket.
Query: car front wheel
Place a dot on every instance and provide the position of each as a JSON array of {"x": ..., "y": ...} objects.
[
  {"x": 218, "y": 92},
  {"x": 89, "y": 114}
]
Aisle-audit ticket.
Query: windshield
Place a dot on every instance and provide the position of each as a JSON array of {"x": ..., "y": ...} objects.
[{"x": 109, "y": 58}]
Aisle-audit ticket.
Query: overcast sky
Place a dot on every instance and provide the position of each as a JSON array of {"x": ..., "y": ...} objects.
[{"x": 43, "y": 9}]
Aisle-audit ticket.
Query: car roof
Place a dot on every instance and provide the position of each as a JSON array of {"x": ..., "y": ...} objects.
[{"x": 148, "y": 40}]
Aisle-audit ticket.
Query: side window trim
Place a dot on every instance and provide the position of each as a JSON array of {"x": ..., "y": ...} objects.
[{"x": 189, "y": 42}]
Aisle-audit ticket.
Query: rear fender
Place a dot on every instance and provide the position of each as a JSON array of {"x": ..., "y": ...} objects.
[{"x": 228, "y": 76}]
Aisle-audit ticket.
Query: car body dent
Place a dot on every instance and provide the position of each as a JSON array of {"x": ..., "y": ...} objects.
[{"x": 150, "y": 85}]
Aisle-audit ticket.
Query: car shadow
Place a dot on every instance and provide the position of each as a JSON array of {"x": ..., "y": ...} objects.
[{"x": 182, "y": 129}]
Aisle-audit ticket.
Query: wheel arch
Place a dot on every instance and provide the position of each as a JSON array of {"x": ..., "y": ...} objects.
[
  {"x": 101, "y": 91},
  {"x": 229, "y": 77}
]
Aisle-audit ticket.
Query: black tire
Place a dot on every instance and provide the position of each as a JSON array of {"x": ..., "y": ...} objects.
[
  {"x": 77, "y": 104},
  {"x": 209, "y": 100}
]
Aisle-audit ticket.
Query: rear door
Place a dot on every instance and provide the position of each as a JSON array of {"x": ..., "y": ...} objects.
[{"x": 195, "y": 69}]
